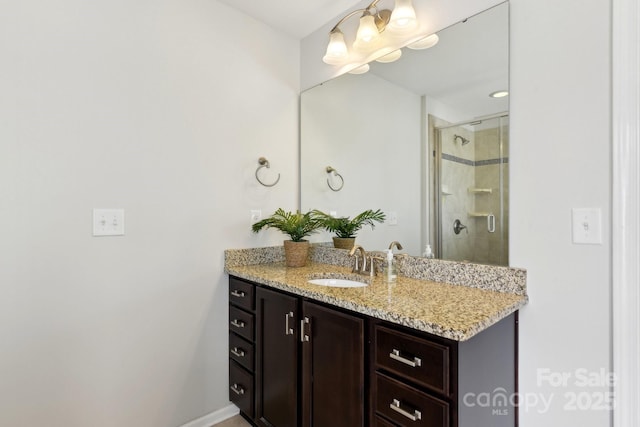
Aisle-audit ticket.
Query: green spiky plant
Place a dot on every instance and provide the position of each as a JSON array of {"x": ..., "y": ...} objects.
[
  {"x": 297, "y": 225},
  {"x": 345, "y": 227}
]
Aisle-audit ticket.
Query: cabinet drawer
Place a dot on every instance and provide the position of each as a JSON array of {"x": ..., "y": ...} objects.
[
  {"x": 242, "y": 294},
  {"x": 407, "y": 406},
  {"x": 241, "y": 389},
  {"x": 241, "y": 322},
  {"x": 378, "y": 421},
  {"x": 241, "y": 351},
  {"x": 413, "y": 358}
]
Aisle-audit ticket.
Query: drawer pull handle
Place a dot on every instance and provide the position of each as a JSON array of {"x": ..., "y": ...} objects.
[
  {"x": 287, "y": 329},
  {"x": 237, "y": 389},
  {"x": 238, "y": 294},
  {"x": 238, "y": 352},
  {"x": 237, "y": 323},
  {"x": 395, "y": 354},
  {"x": 395, "y": 405}
]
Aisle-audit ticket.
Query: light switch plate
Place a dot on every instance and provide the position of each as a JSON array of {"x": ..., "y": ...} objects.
[
  {"x": 586, "y": 226},
  {"x": 108, "y": 222},
  {"x": 393, "y": 218}
]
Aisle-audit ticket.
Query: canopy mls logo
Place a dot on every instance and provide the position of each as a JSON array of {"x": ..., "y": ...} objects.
[{"x": 577, "y": 390}]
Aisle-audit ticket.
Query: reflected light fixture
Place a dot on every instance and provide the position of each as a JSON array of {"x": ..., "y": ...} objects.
[
  {"x": 360, "y": 70},
  {"x": 499, "y": 94},
  {"x": 390, "y": 57},
  {"x": 425, "y": 43},
  {"x": 373, "y": 21}
]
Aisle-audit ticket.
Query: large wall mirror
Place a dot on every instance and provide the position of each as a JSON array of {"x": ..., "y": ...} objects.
[{"x": 422, "y": 139}]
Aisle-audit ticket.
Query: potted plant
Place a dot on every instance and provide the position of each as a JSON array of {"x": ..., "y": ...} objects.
[
  {"x": 298, "y": 226},
  {"x": 347, "y": 228}
]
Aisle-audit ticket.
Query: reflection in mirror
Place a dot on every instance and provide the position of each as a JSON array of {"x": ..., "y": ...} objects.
[{"x": 380, "y": 130}]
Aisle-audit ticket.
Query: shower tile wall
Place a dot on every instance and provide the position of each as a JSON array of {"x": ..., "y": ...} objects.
[
  {"x": 457, "y": 175},
  {"x": 474, "y": 165}
]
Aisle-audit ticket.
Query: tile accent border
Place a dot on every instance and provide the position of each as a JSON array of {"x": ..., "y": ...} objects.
[{"x": 467, "y": 162}]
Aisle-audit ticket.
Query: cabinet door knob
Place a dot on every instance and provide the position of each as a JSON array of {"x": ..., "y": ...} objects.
[
  {"x": 237, "y": 389},
  {"x": 395, "y": 405},
  {"x": 237, "y": 323},
  {"x": 395, "y": 355},
  {"x": 238, "y": 294}
]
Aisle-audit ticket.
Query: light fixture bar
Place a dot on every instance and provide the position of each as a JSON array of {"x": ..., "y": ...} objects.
[{"x": 402, "y": 20}]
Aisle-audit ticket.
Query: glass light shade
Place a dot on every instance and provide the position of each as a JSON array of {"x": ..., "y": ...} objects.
[
  {"x": 390, "y": 57},
  {"x": 367, "y": 30},
  {"x": 360, "y": 70},
  {"x": 337, "y": 51},
  {"x": 425, "y": 43},
  {"x": 403, "y": 17}
]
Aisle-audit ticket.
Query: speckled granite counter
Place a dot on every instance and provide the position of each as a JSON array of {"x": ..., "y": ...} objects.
[{"x": 452, "y": 311}]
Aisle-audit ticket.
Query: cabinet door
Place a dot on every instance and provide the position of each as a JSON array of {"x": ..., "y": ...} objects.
[
  {"x": 276, "y": 359},
  {"x": 333, "y": 368}
]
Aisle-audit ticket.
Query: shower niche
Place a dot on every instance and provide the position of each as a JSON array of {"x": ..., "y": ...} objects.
[{"x": 470, "y": 189}]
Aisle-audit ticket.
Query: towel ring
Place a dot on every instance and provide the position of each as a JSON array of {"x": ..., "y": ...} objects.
[
  {"x": 264, "y": 163},
  {"x": 335, "y": 172}
]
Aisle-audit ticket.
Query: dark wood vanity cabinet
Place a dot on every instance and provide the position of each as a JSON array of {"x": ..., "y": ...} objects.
[
  {"x": 333, "y": 369},
  {"x": 277, "y": 346},
  {"x": 418, "y": 379},
  {"x": 309, "y": 363},
  {"x": 296, "y": 362},
  {"x": 241, "y": 345}
]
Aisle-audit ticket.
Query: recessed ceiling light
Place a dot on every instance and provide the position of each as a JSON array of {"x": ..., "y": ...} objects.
[{"x": 499, "y": 94}]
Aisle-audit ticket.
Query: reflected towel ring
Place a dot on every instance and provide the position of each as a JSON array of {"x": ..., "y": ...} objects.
[
  {"x": 335, "y": 172},
  {"x": 264, "y": 163}
]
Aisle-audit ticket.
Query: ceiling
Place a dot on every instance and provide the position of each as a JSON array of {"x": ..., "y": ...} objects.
[{"x": 296, "y": 18}]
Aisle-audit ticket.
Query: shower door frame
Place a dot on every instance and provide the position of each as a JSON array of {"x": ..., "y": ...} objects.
[{"x": 436, "y": 187}]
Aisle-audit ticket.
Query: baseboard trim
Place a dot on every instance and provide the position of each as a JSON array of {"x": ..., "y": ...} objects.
[{"x": 214, "y": 417}]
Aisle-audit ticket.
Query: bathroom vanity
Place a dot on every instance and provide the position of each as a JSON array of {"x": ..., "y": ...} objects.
[{"x": 414, "y": 353}]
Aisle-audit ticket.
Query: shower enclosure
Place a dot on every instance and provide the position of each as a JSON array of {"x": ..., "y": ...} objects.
[{"x": 471, "y": 190}]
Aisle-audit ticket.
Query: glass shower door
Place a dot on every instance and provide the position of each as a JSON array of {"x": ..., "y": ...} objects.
[{"x": 471, "y": 178}]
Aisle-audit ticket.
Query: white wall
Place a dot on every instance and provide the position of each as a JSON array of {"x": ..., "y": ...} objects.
[
  {"x": 559, "y": 159},
  {"x": 161, "y": 108}
]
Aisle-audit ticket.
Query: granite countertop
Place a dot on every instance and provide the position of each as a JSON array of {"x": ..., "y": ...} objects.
[{"x": 447, "y": 310}]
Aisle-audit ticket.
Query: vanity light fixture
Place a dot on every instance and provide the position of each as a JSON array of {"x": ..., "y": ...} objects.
[
  {"x": 499, "y": 94},
  {"x": 373, "y": 21}
]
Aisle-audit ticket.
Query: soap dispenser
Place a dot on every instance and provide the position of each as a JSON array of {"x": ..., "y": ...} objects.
[
  {"x": 428, "y": 253},
  {"x": 390, "y": 269}
]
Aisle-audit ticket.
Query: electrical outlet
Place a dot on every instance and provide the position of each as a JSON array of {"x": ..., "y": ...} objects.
[
  {"x": 256, "y": 215},
  {"x": 108, "y": 222}
]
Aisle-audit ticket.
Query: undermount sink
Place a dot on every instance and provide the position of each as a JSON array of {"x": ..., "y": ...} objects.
[{"x": 338, "y": 283}]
